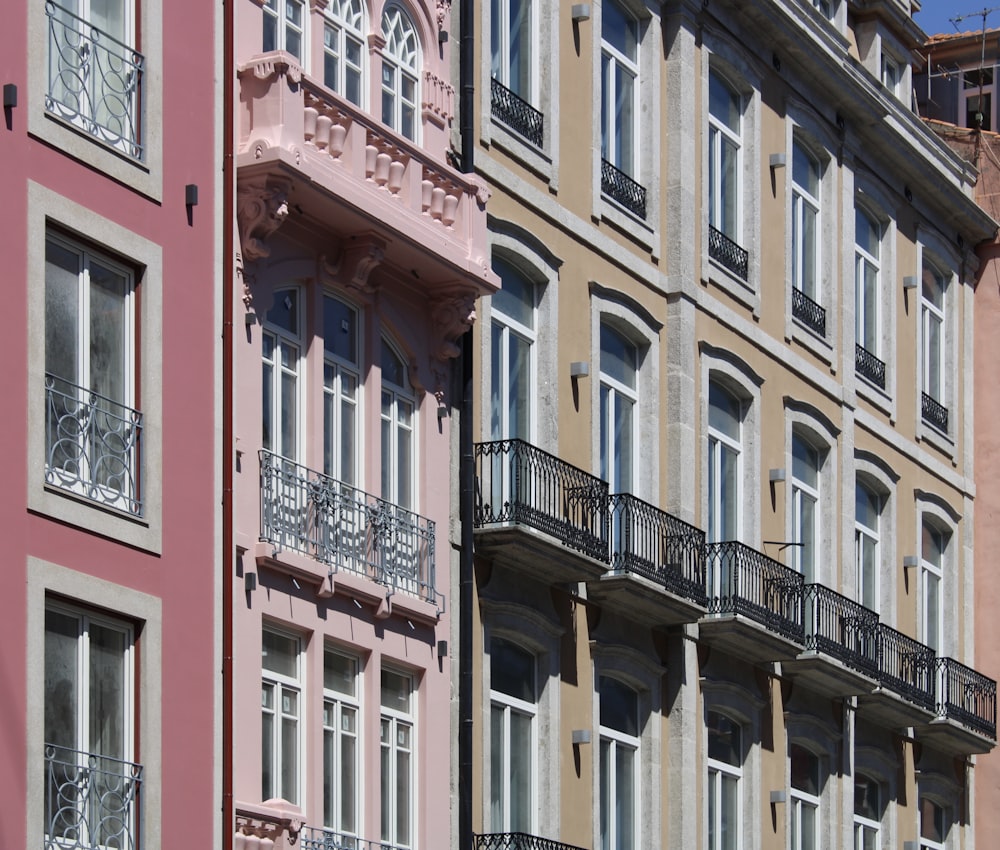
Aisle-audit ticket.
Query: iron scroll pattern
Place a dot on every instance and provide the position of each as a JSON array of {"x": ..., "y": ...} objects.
[
  {"x": 869, "y": 366},
  {"x": 315, "y": 838},
  {"x": 966, "y": 696},
  {"x": 726, "y": 252},
  {"x": 807, "y": 311},
  {"x": 517, "y": 841},
  {"x": 934, "y": 412},
  {"x": 622, "y": 189},
  {"x": 91, "y": 801},
  {"x": 515, "y": 112},
  {"x": 92, "y": 445},
  {"x": 95, "y": 81}
]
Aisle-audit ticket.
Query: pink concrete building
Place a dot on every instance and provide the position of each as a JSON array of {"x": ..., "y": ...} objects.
[
  {"x": 359, "y": 255},
  {"x": 108, "y": 666}
]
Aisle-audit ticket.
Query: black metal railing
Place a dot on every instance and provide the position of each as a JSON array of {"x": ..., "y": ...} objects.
[
  {"x": 317, "y": 838},
  {"x": 514, "y": 111},
  {"x": 842, "y": 628},
  {"x": 966, "y": 696},
  {"x": 906, "y": 666},
  {"x": 91, "y": 801},
  {"x": 869, "y": 366},
  {"x": 517, "y": 841},
  {"x": 658, "y": 546},
  {"x": 726, "y": 252},
  {"x": 92, "y": 445},
  {"x": 518, "y": 483},
  {"x": 807, "y": 311},
  {"x": 934, "y": 412},
  {"x": 94, "y": 81},
  {"x": 743, "y": 581},
  {"x": 345, "y": 528},
  {"x": 621, "y": 188}
]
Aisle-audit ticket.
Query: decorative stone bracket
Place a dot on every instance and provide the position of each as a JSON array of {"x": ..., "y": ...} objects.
[
  {"x": 355, "y": 263},
  {"x": 453, "y": 313},
  {"x": 261, "y": 208}
]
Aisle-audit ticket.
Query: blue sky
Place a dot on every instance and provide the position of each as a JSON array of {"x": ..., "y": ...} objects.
[{"x": 936, "y": 15}]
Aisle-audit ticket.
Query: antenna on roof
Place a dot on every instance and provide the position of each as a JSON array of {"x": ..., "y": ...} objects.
[{"x": 982, "y": 55}]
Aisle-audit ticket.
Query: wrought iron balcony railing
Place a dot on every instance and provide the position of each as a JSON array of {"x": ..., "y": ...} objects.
[
  {"x": 906, "y": 667},
  {"x": 344, "y": 527},
  {"x": 725, "y": 251},
  {"x": 869, "y": 366},
  {"x": 842, "y": 628},
  {"x": 807, "y": 311},
  {"x": 517, "y": 841},
  {"x": 91, "y": 801},
  {"x": 518, "y": 483},
  {"x": 622, "y": 189},
  {"x": 92, "y": 445},
  {"x": 94, "y": 81},
  {"x": 934, "y": 412},
  {"x": 514, "y": 111},
  {"x": 657, "y": 546},
  {"x": 744, "y": 581},
  {"x": 316, "y": 838},
  {"x": 966, "y": 696}
]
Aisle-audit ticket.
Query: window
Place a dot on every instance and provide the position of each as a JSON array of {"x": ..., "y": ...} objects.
[
  {"x": 619, "y": 765},
  {"x": 92, "y": 429},
  {"x": 867, "y": 519},
  {"x": 341, "y": 774},
  {"x": 867, "y": 244},
  {"x": 280, "y": 346},
  {"x": 932, "y": 551},
  {"x": 397, "y": 430},
  {"x": 619, "y": 88},
  {"x": 341, "y": 377},
  {"x": 512, "y": 47},
  {"x": 619, "y": 362},
  {"x": 512, "y": 355},
  {"x": 827, "y": 8},
  {"x": 92, "y": 787},
  {"x": 805, "y": 798},
  {"x": 725, "y": 149},
  {"x": 513, "y": 711},
  {"x": 281, "y": 694},
  {"x": 284, "y": 26},
  {"x": 806, "y": 464},
  {"x": 725, "y": 774},
  {"x": 891, "y": 75},
  {"x": 344, "y": 50},
  {"x": 805, "y": 238},
  {"x": 397, "y": 758},
  {"x": 977, "y": 91},
  {"x": 932, "y": 340},
  {"x": 724, "y": 464},
  {"x": 867, "y": 812},
  {"x": 400, "y": 67},
  {"x": 933, "y": 825}
]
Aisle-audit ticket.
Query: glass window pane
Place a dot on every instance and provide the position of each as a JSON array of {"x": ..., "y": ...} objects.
[
  {"x": 280, "y": 654},
  {"x": 724, "y": 740},
  {"x": 619, "y": 29},
  {"x": 498, "y": 785},
  {"x": 619, "y": 706},
  {"x": 619, "y": 357},
  {"x": 805, "y": 462},
  {"x": 63, "y": 268},
  {"x": 339, "y": 673},
  {"x": 521, "y": 797},
  {"x": 805, "y": 770},
  {"x": 724, "y": 103},
  {"x": 395, "y": 691},
  {"x": 723, "y": 411},
  {"x": 62, "y": 681},
  {"x": 516, "y": 297},
  {"x": 512, "y": 670}
]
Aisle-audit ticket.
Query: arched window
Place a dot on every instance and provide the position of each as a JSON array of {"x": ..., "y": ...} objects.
[
  {"x": 805, "y": 798},
  {"x": 284, "y": 26},
  {"x": 397, "y": 430},
  {"x": 400, "y": 69},
  {"x": 933, "y": 825},
  {"x": 513, "y": 709},
  {"x": 281, "y": 347},
  {"x": 934, "y": 542},
  {"x": 341, "y": 379},
  {"x": 724, "y": 463},
  {"x": 867, "y": 526},
  {"x": 619, "y": 765},
  {"x": 512, "y": 384},
  {"x": 725, "y": 144},
  {"x": 868, "y": 327},
  {"x": 867, "y": 812},
  {"x": 725, "y": 775},
  {"x": 619, "y": 363},
  {"x": 343, "y": 49},
  {"x": 806, "y": 465},
  {"x": 619, "y": 88}
]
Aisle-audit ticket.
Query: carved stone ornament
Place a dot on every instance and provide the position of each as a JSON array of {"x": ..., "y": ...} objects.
[
  {"x": 353, "y": 267},
  {"x": 452, "y": 314},
  {"x": 260, "y": 825},
  {"x": 261, "y": 208},
  {"x": 443, "y": 12}
]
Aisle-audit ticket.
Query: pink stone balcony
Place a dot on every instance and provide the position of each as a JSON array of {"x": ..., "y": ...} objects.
[{"x": 343, "y": 169}]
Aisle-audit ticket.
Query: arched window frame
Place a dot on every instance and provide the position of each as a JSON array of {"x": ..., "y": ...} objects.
[
  {"x": 401, "y": 70},
  {"x": 345, "y": 50}
]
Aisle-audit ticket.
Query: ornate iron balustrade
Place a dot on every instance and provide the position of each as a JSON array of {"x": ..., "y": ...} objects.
[
  {"x": 94, "y": 81},
  {"x": 315, "y": 838},
  {"x": 934, "y": 412},
  {"x": 725, "y": 251},
  {"x": 352, "y": 531},
  {"x": 514, "y": 111},
  {"x": 869, "y": 366},
  {"x": 622, "y": 189},
  {"x": 967, "y": 696},
  {"x": 906, "y": 666},
  {"x": 841, "y": 628},
  {"x": 807, "y": 311},
  {"x": 658, "y": 546},
  {"x": 518, "y": 483},
  {"x": 91, "y": 801},
  {"x": 517, "y": 841},
  {"x": 92, "y": 445},
  {"x": 743, "y": 581}
]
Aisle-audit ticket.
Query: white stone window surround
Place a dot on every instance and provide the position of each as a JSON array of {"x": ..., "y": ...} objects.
[
  {"x": 642, "y": 675},
  {"x": 936, "y": 513},
  {"x": 803, "y": 127},
  {"x": 882, "y": 767},
  {"x": 528, "y": 255},
  {"x": 539, "y": 635},
  {"x": 818, "y": 738},
  {"x": 733, "y": 64},
  {"x": 145, "y": 176},
  {"x": 876, "y": 43},
  {"x": 803, "y": 420},
  {"x": 645, "y": 231},
  {"x": 737, "y": 377},
  {"x": 636, "y": 324},
  {"x": 875, "y": 474},
  {"x": 49, "y": 211},
  {"x": 544, "y": 161},
  {"x": 46, "y": 580}
]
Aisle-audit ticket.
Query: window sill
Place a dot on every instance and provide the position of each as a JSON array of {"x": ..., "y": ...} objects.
[
  {"x": 876, "y": 396},
  {"x": 636, "y": 228},
  {"x": 535, "y": 159},
  {"x": 933, "y": 436},
  {"x": 732, "y": 284},
  {"x": 818, "y": 345}
]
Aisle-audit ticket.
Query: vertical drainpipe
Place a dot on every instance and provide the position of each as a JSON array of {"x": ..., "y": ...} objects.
[{"x": 466, "y": 472}]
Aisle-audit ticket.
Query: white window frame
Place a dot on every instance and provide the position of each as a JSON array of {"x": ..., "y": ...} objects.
[
  {"x": 344, "y": 25},
  {"x": 615, "y": 740},
  {"x": 279, "y": 684},
  {"x": 802, "y": 492},
  {"x": 394, "y": 720},
  {"x": 719, "y": 446},
  {"x": 933, "y": 358},
  {"x": 872, "y": 536},
  {"x": 401, "y": 64},
  {"x": 282, "y": 338},
  {"x": 286, "y": 29},
  {"x": 612, "y": 147},
  {"x": 338, "y": 373},
  {"x": 400, "y": 400},
  {"x": 614, "y": 396},
  {"x": 504, "y": 330},
  {"x": 800, "y": 800},
  {"x": 930, "y": 843},
  {"x": 338, "y": 705},
  {"x": 719, "y": 134},
  {"x": 891, "y": 74},
  {"x": 868, "y": 325},
  {"x": 501, "y": 31},
  {"x": 717, "y": 770},
  {"x": 827, "y": 8},
  {"x": 806, "y": 276},
  {"x": 932, "y": 633},
  {"x": 865, "y": 825}
]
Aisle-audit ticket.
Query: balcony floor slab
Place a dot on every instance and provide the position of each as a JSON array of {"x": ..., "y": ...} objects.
[
  {"x": 539, "y": 555},
  {"x": 643, "y": 600},
  {"x": 829, "y": 676},
  {"x": 739, "y": 635}
]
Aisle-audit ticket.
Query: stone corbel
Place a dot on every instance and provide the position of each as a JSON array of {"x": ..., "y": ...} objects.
[
  {"x": 353, "y": 267},
  {"x": 318, "y": 5},
  {"x": 443, "y": 13},
  {"x": 261, "y": 208},
  {"x": 453, "y": 313}
]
